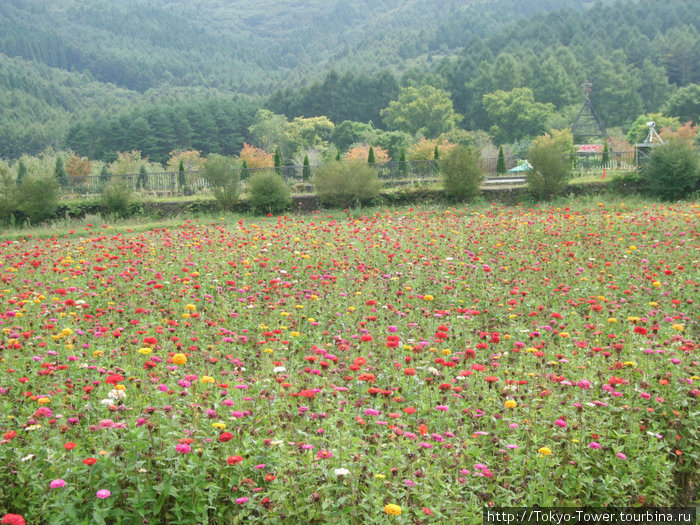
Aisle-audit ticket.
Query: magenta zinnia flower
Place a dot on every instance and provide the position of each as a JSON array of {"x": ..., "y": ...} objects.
[{"x": 57, "y": 483}]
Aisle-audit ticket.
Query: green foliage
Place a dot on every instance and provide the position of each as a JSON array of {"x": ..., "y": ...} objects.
[
  {"x": 516, "y": 114},
  {"x": 39, "y": 198},
  {"x": 245, "y": 172},
  {"x": 278, "y": 159},
  {"x": 436, "y": 153},
  {"x": 116, "y": 198},
  {"x": 346, "y": 184},
  {"x": 462, "y": 173},
  {"x": 8, "y": 193},
  {"x": 142, "y": 179},
  {"x": 269, "y": 193},
  {"x": 181, "y": 180},
  {"x": 685, "y": 104},
  {"x": 501, "y": 164},
  {"x": 673, "y": 171},
  {"x": 59, "y": 172},
  {"x": 21, "y": 171},
  {"x": 223, "y": 176},
  {"x": 370, "y": 156},
  {"x": 550, "y": 161},
  {"x": 425, "y": 110},
  {"x": 306, "y": 170},
  {"x": 350, "y": 132},
  {"x": 105, "y": 175},
  {"x": 403, "y": 167}
]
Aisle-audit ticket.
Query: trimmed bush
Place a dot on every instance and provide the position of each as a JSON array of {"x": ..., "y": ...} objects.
[
  {"x": 550, "y": 171},
  {"x": 345, "y": 184},
  {"x": 269, "y": 193},
  {"x": 462, "y": 173},
  {"x": 39, "y": 198},
  {"x": 223, "y": 176},
  {"x": 116, "y": 198},
  {"x": 672, "y": 172}
]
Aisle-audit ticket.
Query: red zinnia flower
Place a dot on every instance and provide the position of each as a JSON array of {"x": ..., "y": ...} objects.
[
  {"x": 12, "y": 519},
  {"x": 234, "y": 460},
  {"x": 89, "y": 461},
  {"x": 114, "y": 379},
  {"x": 69, "y": 446},
  {"x": 226, "y": 436}
]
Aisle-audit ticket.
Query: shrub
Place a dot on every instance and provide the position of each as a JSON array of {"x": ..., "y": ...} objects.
[
  {"x": 345, "y": 184},
  {"x": 223, "y": 176},
  {"x": 269, "y": 193},
  {"x": 116, "y": 198},
  {"x": 142, "y": 179},
  {"x": 550, "y": 172},
  {"x": 461, "y": 173},
  {"x": 38, "y": 197},
  {"x": 672, "y": 172},
  {"x": 9, "y": 193}
]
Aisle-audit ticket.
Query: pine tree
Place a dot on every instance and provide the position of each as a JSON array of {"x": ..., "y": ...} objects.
[
  {"x": 306, "y": 171},
  {"x": 244, "y": 170},
  {"x": 436, "y": 155},
  {"x": 606, "y": 154},
  {"x": 21, "y": 172},
  {"x": 182, "y": 182},
  {"x": 501, "y": 165},
  {"x": 105, "y": 175},
  {"x": 403, "y": 168},
  {"x": 278, "y": 161},
  {"x": 60, "y": 172},
  {"x": 142, "y": 179},
  {"x": 370, "y": 157},
  {"x": 337, "y": 156}
]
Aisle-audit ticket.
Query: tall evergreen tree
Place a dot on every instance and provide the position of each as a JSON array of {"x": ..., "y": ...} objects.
[
  {"x": 436, "y": 154},
  {"x": 306, "y": 171},
  {"x": 60, "y": 172},
  {"x": 606, "y": 154},
  {"x": 244, "y": 170},
  {"x": 21, "y": 172},
  {"x": 337, "y": 156},
  {"x": 142, "y": 179},
  {"x": 278, "y": 161},
  {"x": 104, "y": 174},
  {"x": 370, "y": 156},
  {"x": 182, "y": 182},
  {"x": 403, "y": 168},
  {"x": 501, "y": 165}
]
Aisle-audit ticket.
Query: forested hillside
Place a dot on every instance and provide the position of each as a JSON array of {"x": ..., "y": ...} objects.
[{"x": 100, "y": 77}]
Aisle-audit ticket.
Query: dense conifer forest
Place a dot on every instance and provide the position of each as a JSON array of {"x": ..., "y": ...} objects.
[{"x": 101, "y": 77}]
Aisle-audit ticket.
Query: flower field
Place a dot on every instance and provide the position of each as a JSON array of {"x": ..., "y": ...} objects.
[{"x": 408, "y": 366}]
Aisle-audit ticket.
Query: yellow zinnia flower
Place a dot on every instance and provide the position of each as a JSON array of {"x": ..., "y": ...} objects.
[{"x": 392, "y": 509}]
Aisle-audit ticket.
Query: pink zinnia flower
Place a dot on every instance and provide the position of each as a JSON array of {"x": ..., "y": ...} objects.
[
  {"x": 57, "y": 483},
  {"x": 183, "y": 448},
  {"x": 242, "y": 500},
  {"x": 622, "y": 456},
  {"x": 103, "y": 494},
  {"x": 561, "y": 423},
  {"x": 594, "y": 445}
]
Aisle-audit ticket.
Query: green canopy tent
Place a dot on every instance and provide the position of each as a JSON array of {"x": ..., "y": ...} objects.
[{"x": 523, "y": 166}]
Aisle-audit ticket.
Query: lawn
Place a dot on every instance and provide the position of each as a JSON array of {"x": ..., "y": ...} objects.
[{"x": 410, "y": 365}]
